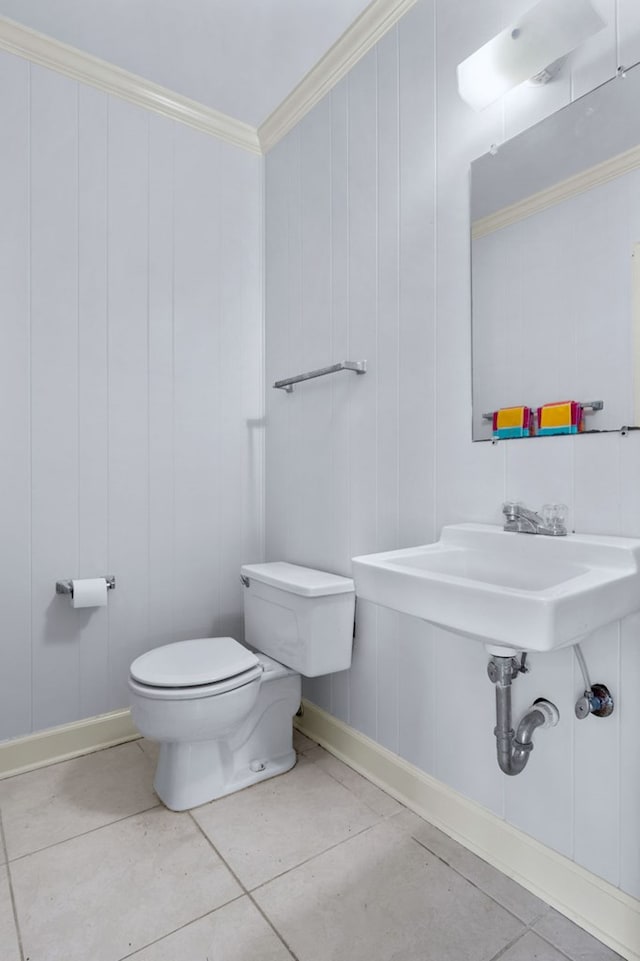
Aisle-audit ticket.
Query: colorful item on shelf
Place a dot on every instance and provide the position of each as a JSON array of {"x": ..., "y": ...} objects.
[
  {"x": 562, "y": 417},
  {"x": 513, "y": 422}
]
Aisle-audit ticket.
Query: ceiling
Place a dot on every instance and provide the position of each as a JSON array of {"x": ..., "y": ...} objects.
[{"x": 242, "y": 57}]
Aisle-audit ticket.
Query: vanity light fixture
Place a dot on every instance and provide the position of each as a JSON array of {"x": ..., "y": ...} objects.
[{"x": 527, "y": 49}]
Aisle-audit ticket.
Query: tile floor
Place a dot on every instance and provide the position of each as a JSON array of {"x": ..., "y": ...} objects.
[{"x": 315, "y": 865}]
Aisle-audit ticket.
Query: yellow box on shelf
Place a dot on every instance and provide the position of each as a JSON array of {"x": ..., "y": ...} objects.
[
  {"x": 563, "y": 417},
  {"x": 512, "y": 422}
]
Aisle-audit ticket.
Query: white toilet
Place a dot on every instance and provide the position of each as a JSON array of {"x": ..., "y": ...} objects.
[{"x": 221, "y": 711}]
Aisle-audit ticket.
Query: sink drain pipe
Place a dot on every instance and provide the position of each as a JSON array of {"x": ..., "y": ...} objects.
[{"x": 514, "y": 748}]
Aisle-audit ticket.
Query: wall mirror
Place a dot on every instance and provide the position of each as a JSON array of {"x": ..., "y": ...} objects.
[{"x": 555, "y": 254}]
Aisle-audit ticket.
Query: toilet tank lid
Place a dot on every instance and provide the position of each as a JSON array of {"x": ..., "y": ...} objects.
[
  {"x": 298, "y": 580},
  {"x": 203, "y": 660}
]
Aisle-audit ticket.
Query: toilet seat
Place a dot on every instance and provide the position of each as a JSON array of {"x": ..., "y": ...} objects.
[
  {"x": 203, "y": 661},
  {"x": 187, "y": 670},
  {"x": 198, "y": 691}
]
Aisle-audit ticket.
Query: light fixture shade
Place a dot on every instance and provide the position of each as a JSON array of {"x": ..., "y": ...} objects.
[{"x": 543, "y": 34}]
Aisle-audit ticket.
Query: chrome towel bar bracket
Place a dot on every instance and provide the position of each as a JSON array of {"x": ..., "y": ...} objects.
[{"x": 359, "y": 366}]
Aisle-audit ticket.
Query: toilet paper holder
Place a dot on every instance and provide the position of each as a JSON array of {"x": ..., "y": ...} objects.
[{"x": 66, "y": 587}]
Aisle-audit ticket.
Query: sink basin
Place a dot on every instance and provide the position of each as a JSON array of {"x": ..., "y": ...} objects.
[{"x": 523, "y": 592}]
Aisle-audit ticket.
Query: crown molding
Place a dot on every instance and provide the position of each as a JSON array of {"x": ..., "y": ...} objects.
[
  {"x": 372, "y": 24},
  {"x": 594, "y": 176},
  {"x": 85, "y": 68}
]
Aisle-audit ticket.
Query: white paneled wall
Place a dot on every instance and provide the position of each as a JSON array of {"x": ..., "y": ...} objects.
[
  {"x": 367, "y": 256},
  {"x": 131, "y": 400}
]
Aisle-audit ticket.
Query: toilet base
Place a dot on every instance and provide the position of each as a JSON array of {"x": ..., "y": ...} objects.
[{"x": 190, "y": 773}]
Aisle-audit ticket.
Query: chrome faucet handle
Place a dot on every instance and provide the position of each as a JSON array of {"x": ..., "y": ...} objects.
[
  {"x": 512, "y": 509},
  {"x": 554, "y": 518},
  {"x": 516, "y": 511},
  {"x": 519, "y": 519}
]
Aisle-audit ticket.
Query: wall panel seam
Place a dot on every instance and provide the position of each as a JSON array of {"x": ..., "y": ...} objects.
[
  {"x": 30, "y": 344},
  {"x": 107, "y": 333},
  {"x": 78, "y": 393}
]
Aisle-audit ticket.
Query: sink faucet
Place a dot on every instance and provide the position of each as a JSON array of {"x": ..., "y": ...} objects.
[{"x": 521, "y": 520}]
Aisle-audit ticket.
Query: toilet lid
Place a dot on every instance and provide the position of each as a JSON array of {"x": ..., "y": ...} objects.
[{"x": 204, "y": 660}]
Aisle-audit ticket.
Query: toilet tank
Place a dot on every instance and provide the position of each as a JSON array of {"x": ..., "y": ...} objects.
[{"x": 301, "y": 617}]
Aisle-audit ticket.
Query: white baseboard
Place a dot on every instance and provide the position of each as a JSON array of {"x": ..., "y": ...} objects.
[
  {"x": 61, "y": 743},
  {"x": 597, "y": 906}
]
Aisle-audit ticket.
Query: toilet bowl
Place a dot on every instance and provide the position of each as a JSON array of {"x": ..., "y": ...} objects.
[
  {"x": 221, "y": 711},
  {"x": 216, "y": 737}
]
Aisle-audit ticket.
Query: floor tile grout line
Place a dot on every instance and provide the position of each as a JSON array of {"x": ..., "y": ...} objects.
[
  {"x": 532, "y": 930},
  {"x": 561, "y": 951},
  {"x": 526, "y": 927},
  {"x": 501, "y": 953},
  {"x": 527, "y": 924},
  {"x": 382, "y": 817},
  {"x": 181, "y": 927},
  {"x": 83, "y": 834},
  {"x": 11, "y": 891},
  {"x": 245, "y": 890},
  {"x": 361, "y": 800},
  {"x": 268, "y": 920},
  {"x": 313, "y": 857}
]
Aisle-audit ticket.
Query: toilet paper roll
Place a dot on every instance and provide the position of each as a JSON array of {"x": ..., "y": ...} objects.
[{"x": 89, "y": 592}]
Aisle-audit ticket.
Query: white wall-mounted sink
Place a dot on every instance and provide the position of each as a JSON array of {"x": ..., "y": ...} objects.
[{"x": 520, "y": 591}]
